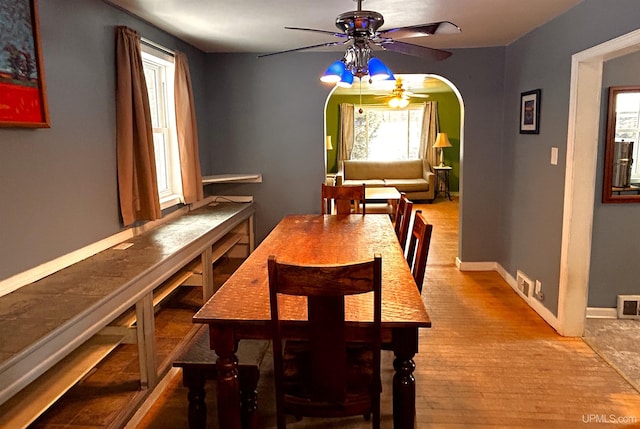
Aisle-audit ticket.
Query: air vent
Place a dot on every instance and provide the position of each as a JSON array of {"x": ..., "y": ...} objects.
[
  {"x": 628, "y": 306},
  {"x": 524, "y": 283}
]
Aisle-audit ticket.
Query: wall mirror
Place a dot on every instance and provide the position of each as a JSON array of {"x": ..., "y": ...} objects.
[{"x": 621, "y": 182}]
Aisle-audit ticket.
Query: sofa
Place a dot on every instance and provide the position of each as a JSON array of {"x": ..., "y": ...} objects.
[{"x": 412, "y": 176}]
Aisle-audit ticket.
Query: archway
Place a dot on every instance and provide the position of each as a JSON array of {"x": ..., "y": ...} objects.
[{"x": 431, "y": 83}]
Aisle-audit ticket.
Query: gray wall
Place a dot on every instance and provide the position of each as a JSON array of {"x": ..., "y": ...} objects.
[
  {"x": 616, "y": 237},
  {"x": 533, "y": 189},
  {"x": 58, "y": 186},
  {"x": 267, "y": 117}
]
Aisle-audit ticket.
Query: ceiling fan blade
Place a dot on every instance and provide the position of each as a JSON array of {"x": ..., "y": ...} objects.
[
  {"x": 421, "y": 30},
  {"x": 319, "y": 45},
  {"x": 415, "y": 50},
  {"x": 333, "y": 33}
]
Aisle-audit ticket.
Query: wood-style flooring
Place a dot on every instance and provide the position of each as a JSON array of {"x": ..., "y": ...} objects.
[{"x": 489, "y": 361}]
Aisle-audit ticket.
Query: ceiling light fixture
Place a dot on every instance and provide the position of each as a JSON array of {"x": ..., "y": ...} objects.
[
  {"x": 356, "y": 62},
  {"x": 398, "y": 102}
]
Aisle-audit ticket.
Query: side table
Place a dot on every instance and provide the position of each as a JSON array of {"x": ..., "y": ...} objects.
[{"x": 442, "y": 180}]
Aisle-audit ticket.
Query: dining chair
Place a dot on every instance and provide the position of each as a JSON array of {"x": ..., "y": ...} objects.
[
  {"x": 418, "y": 250},
  {"x": 402, "y": 219},
  {"x": 347, "y": 199},
  {"x": 319, "y": 373}
]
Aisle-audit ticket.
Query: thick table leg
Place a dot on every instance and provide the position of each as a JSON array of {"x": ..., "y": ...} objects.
[
  {"x": 249, "y": 397},
  {"x": 405, "y": 345},
  {"x": 228, "y": 384},
  {"x": 194, "y": 380}
]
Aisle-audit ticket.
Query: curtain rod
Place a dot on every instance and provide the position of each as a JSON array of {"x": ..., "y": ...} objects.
[{"x": 157, "y": 46}]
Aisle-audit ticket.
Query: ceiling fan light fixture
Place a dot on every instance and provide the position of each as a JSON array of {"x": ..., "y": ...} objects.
[
  {"x": 378, "y": 70},
  {"x": 334, "y": 72},
  {"x": 398, "y": 103}
]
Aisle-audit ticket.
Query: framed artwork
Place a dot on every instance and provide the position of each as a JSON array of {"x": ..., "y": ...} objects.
[
  {"x": 23, "y": 98},
  {"x": 530, "y": 112}
]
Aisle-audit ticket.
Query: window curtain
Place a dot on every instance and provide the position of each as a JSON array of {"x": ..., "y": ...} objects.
[
  {"x": 137, "y": 180},
  {"x": 187, "y": 132},
  {"x": 346, "y": 131},
  {"x": 429, "y": 132}
]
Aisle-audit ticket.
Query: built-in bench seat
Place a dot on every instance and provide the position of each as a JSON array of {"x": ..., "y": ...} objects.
[{"x": 56, "y": 329}]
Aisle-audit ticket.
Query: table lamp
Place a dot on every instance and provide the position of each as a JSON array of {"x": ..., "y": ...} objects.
[
  {"x": 327, "y": 143},
  {"x": 441, "y": 142}
]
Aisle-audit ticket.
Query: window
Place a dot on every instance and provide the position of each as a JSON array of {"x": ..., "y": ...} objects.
[
  {"x": 381, "y": 133},
  {"x": 159, "y": 72},
  {"x": 628, "y": 126}
]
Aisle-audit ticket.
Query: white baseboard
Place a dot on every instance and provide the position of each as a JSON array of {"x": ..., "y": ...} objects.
[
  {"x": 533, "y": 302},
  {"x": 602, "y": 313},
  {"x": 476, "y": 266},
  {"x": 536, "y": 305}
]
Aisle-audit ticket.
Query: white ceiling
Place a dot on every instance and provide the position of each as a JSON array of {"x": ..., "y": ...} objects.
[{"x": 258, "y": 25}]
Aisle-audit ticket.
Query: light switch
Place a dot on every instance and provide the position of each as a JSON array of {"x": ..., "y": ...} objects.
[{"x": 554, "y": 156}]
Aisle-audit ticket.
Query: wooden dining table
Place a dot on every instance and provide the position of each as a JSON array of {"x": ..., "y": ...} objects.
[{"x": 240, "y": 308}]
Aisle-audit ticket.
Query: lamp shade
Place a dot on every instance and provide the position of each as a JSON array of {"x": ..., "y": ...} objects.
[
  {"x": 346, "y": 80},
  {"x": 327, "y": 143},
  {"x": 442, "y": 140},
  {"x": 378, "y": 71},
  {"x": 334, "y": 72}
]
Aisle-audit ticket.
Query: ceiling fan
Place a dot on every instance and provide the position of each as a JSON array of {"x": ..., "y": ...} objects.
[
  {"x": 360, "y": 29},
  {"x": 400, "y": 96}
]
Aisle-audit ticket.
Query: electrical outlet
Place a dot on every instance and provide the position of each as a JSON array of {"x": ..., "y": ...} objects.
[{"x": 537, "y": 291}]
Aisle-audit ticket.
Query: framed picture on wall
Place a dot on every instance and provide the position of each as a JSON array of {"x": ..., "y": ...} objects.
[
  {"x": 22, "y": 87},
  {"x": 530, "y": 112}
]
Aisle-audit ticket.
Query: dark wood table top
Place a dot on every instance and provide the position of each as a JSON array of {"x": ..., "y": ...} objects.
[{"x": 243, "y": 301}]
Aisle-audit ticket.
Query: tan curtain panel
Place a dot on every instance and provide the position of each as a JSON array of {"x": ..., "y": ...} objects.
[
  {"x": 346, "y": 131},
  {"x": 137, "y": 180},
  {"x": 187, "y": 132},
  {"x": 429, "y": 132}
]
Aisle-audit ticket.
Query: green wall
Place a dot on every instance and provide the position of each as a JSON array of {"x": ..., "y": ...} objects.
[{"x": 449, "y": 116}]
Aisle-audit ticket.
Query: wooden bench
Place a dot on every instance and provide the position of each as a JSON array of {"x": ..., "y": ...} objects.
[
  {"x": 198, "y": 363},
  {"x": 105, "y": 300}
]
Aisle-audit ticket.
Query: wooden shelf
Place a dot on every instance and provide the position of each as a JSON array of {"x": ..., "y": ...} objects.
[
  {"x": 159, "y": 260},
  {"x": 232, "y": 178},
  {"x": 23, "y": 408}
]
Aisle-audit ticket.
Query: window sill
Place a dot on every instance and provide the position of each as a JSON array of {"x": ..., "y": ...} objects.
[{"x": 232, "y": 178}]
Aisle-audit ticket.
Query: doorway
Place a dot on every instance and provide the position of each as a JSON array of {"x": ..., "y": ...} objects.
[{"x": 580, "y": 177}]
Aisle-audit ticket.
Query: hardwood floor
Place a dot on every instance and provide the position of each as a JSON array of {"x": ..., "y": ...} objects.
[{"x": 489, "y": 361}]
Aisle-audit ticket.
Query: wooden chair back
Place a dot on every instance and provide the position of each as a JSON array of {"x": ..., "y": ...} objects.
[
  {"x": 344, "y": 198},
  {"x": 402, "y": 219},
  {"x": 418, "y": 250},
  {"x": 325, "y": 288}
]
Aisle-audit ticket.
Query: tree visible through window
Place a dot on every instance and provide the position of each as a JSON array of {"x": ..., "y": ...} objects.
[{"x": 387, "y": 134}]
